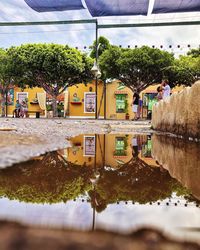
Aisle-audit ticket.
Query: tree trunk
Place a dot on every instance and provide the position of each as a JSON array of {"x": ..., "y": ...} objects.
[
  {"x": 54, "y": 106},
  {"x": 3, "y": 105}
]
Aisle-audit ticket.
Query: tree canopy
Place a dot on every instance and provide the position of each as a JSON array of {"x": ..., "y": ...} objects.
[
  {"x": 8, "y": 75},
  {"x": 52, "y": 179},
  {"x": 136, "y": 68},
  {"x": 53, "y": 67},
  {"x": 103, "y": 44},
  {"x": 186, "y": 69},
  {"x": 194, "y": 52}
]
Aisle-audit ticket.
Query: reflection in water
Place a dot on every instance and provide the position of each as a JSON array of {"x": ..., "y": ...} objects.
[
  {"x": 127, "y": 172},
  {"x": 48, "y": 179},
  {"x": 104, "y": 170},
  {"x": 181, "y": 159}
]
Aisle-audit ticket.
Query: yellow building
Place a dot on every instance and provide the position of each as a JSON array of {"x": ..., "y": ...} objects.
[
  {"x": 79, "y": 101},
  {"x": 114, "y": 102},
  {"x": 35, "y": 96},
  {"x": 82, "y": 101}
]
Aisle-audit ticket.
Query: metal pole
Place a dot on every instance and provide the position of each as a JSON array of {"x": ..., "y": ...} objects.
[
  {"x": 47, "y": 22},
  {"x": 104, "y": 100},
  {"x": 94, "y": 188},
  {"x": 104, "y": 150},
  {"x": 96, "y": 92},
  {"x": 96, "y": 80},
  {"x": 6, "y": 104},
  {"x": 93, "y": 218}
]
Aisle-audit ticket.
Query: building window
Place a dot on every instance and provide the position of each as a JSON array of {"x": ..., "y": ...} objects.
[
  {"x": 89, "y": 102},
  {"x": 146, "y": 149},
  {"x": 89, "y": 146},
  {"x": 120, "y": 146},
  {"x": 22, "y": 96},
  {"x": 121, "y": 103},
  {"x": 149, "y": 100}
]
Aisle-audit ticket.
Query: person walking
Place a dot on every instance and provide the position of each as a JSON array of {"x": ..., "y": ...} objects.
[{"x": 135, "y": 104}]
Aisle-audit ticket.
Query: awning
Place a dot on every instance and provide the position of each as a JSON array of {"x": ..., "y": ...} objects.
[
  {"x": 117, "y": 7},
  {"x": 42, "y": 100},
  {"x": 121, "y": 92},
  {"x": 170, "y": 6},
  {"x": 54, "y": 5},
  {"x": 99, "y": 8}
]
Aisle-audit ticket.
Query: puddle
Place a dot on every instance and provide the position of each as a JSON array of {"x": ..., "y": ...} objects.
[{"x": 112, "y": 182}]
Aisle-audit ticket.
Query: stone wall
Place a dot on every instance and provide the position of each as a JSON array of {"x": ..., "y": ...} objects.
[{"x": 179, "y": 113}]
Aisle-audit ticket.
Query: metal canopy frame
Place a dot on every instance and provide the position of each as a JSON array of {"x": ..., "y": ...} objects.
[
  {"x": 4, "y": 24},
  {"x": 97, "y": 27}
]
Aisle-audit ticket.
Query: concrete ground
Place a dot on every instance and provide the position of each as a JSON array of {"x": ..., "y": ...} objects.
[
  {"x": 21, "y": 139},
  {"x": 16, "y": 237}
]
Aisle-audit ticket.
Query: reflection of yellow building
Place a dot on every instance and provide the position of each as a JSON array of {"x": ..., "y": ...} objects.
[{"x": 111, "y": 150}]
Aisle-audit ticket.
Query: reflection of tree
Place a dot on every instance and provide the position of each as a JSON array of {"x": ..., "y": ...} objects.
[
  {"x": 134, "y": 181},
  {"x": 47, "y": 180},
  {"x": 52, "y": 179},
  {"x": 97, "y": 201}
]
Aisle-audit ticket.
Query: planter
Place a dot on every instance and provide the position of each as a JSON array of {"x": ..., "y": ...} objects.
[
  {"x": 49, "y": 114},
  {"x": 76, "y": 103},
  {"x": 127, "y": 116}
]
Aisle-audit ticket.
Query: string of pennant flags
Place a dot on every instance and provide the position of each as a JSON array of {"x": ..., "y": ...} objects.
[
  {"x": 167, "y": 203},
  {"x": 153, "y": 46}
]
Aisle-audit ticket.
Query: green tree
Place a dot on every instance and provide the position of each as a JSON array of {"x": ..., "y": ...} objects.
[
  {"x": 185, "y": 70},
  {"x": 7, "y": 76},
  {"x": 103, "y": 43},
  {"x": 136, "y": 68},
  {"x": 49, "y": 179},
  {"x": 51, "y": 66},
  {"x": 194, "y": 52}
]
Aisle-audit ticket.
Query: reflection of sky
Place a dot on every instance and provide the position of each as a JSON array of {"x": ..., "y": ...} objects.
[
  {"x": 120, "y": 217},
  {"x": 72, "y": 214}
]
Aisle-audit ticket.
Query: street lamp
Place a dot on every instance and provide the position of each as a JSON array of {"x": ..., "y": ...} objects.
[{"x": 95, "y": 70}]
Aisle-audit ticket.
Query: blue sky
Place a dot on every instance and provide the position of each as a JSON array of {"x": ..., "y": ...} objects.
[{"x": 83, "y": 35}]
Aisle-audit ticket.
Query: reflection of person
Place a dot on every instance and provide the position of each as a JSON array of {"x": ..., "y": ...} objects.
[
  {"x": 135, "y": 104},
  {"x": 134, "y": 143},
  {"x": 162, "y": 169},
  {"x": 17, "y": 109},
  {"x": 166, "y": 88}
]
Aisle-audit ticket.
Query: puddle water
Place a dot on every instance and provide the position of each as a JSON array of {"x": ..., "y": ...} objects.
[{"x": 112, "y": 182}]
